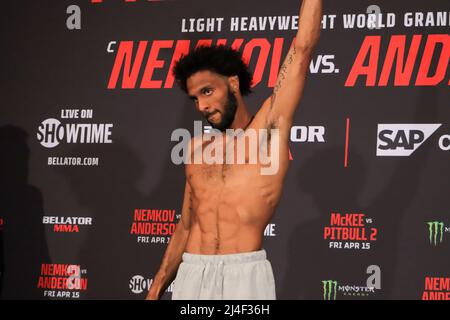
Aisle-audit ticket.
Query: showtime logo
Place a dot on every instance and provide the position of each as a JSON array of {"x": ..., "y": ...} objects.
[
  {"x": 2, "y": 223},
  {"x": 138, "y": 284},
  {"x": 66, "y": 224},
  {"x": 51, "y": 132},
  {"x": 403, "y": 139},
  {"x": 269, "y": 231}
]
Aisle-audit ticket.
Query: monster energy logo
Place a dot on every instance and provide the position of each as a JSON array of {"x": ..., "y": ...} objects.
[
  {"x": 435, "y": 228},
  {"x": 329, "y": 289}
]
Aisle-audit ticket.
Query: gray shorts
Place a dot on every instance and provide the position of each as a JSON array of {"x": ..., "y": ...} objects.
[{"x": 240, "y": 276}]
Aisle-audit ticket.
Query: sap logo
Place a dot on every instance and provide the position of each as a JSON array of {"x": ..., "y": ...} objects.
[
  {"x": 402, "y": 139},
  {"x": 324, "y": 61}
]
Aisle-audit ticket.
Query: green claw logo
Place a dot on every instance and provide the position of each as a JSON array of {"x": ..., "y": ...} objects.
[
  {"x": 329, "y": 289},
  {"x": 435, "y": 228}
]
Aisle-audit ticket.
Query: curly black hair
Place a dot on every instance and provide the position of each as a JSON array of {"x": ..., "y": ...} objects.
[{"x": 220, "y": 59}]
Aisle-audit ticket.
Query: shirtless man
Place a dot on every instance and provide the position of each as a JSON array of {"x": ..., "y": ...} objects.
[{"x": 215, "y": 251}]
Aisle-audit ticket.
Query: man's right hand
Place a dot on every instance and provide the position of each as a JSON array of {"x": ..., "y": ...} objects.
[
  {"x": 152, "y": 295},
  {"x": 174, "y": 252}
]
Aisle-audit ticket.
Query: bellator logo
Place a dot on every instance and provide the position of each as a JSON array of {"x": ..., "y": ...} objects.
[{"x": 66, "y": 224}]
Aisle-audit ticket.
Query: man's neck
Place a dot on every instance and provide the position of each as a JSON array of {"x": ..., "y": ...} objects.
[{"x": 242, "y": 118}]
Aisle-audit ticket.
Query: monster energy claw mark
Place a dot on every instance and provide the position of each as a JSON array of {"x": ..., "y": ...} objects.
[
  {"x": 329, "y": 287},
  {"x": 435, "y": 227}
]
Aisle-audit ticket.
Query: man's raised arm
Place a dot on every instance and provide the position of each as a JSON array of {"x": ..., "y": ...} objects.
[{"x": 280, "y": 107}]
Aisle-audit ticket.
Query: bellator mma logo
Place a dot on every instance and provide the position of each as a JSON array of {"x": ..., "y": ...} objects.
[
  {"x": 52, "y": 132},
  {"x": 154, "y": 225},
  {"x": 66, "y": 224},
  {"x": 350, "y": 231},
  {"x": 62, "y": 280}
]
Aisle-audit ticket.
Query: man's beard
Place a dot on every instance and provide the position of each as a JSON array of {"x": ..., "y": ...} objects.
[{"x": 228, "y": 115}]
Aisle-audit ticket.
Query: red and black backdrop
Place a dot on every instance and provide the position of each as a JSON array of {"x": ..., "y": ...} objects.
[{"x": 89, "y": 196}]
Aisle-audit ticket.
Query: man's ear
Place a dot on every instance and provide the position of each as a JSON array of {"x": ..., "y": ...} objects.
[{"x": 234, "y": 83}]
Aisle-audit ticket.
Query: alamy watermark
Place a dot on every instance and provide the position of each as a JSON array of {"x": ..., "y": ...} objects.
[{"x": 236, "y": 146}]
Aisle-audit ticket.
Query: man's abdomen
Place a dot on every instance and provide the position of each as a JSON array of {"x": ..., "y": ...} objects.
[{"x": 230, "y": 215}]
